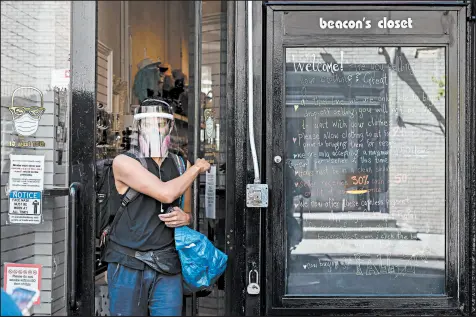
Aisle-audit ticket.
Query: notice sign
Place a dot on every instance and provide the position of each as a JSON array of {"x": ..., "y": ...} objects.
[
  {"x": 27, "y": 172},
  {"x": 210, "y": 192},
  {"x": 18, "y": 275},
  {"x": 25, "y": 207}
]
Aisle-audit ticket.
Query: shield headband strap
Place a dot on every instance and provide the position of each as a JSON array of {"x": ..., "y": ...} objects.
[
  {"x": 156, "y": 100},
  {"x": 143, "y": 115}
]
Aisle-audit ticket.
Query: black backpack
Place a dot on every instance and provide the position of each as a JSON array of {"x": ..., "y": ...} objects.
[
  {"x": 108, "y": 201},
  {"x": 107, "y": 197}
]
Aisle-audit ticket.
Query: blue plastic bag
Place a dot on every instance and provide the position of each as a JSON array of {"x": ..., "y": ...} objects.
[{"x": 202, "y": 262}]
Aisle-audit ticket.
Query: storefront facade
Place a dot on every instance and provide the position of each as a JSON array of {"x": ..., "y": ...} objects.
[{"x": 363, "y": 121}]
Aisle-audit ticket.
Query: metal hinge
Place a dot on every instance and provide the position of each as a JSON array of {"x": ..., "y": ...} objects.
[{"x": 472, "y": 18}]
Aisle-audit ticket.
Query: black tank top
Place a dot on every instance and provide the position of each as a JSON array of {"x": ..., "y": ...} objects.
[{"x": 140, "y": 227}]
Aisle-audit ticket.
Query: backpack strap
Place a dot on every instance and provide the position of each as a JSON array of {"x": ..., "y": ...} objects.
[
  {"x": 181, "y": 167},
  {"x": 130, "y": 194},
  {"x": 179, "y": 162}
]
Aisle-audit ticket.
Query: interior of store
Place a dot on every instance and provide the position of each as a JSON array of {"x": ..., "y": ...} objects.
[{"x": 145, "y": 49}]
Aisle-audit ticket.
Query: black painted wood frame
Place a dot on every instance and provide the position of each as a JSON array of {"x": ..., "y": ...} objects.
[
  {"x": 461, "y": 170},
  {"x": 82, "y": 153}
]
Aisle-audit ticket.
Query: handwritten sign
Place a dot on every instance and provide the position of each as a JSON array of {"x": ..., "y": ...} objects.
[
  {"x": 364, "y": 167},
  {"x": 333, "y": 136}
]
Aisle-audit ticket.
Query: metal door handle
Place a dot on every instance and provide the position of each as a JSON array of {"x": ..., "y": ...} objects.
[{"x": 74, "y": 201}]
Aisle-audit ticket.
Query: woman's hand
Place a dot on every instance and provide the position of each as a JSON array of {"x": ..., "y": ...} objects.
[
  {"x": 176, "y": 218},
  {"x": 202, "y": 165}
]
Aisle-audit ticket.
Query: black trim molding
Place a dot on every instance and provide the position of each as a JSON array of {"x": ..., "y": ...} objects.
[
  {"x": 461, "y": 257},
  {"x": 82, "y": 154},
  {"x": 470, "y": 131}
]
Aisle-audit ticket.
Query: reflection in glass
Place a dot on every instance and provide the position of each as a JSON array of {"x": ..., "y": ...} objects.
[
  {"x": 35, "y": 59},
  {"x": 212, "y": 146},
  {"x": 365, "y": 171}
]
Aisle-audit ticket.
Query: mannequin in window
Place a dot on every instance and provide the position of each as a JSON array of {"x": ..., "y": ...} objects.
[
  {"x": 103, "y": 123},
  {"x": 166, "y": 83},
  {"x": 179, "y": 83},
  {"x": 178, "y": 93},
  {"x": 146, "y": 81}
]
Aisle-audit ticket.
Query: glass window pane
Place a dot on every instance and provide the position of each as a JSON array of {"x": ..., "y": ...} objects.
[
  {"x": 35, "y": 107},
  {"x": 365, "y": 171}
]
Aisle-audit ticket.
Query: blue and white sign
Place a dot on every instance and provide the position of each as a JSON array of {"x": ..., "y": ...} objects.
[{"x": 25, "y": 207}]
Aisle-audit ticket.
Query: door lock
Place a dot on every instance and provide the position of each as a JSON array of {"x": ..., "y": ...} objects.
[{"x": 253, "y": 287}]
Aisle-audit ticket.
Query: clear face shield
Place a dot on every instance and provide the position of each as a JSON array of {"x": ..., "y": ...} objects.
[{"x": 153, "y": 125}]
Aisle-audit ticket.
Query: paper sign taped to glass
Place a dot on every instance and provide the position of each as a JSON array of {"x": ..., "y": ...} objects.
[{"x": 25, "y": 207}]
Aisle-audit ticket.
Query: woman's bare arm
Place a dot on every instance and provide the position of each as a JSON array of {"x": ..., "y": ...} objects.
[{"x": 132, "y": 174}]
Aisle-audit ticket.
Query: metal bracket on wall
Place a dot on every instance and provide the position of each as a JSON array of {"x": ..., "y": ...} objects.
[
  {"x": 472, "y": 18},
  {"x": 56, "y": 191},
  {"x": 257, "y": 195}
]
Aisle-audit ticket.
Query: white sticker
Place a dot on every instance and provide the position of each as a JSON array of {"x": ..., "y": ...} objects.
[
  {"x": 27, "y": 172},
  {"x": 60, "y": 78},
  {"x": 25, "y": 207},
  {"x": 210, "y": 192}
]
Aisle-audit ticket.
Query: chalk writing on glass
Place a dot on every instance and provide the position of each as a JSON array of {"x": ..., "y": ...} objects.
[{"x": 365, "y": 169}]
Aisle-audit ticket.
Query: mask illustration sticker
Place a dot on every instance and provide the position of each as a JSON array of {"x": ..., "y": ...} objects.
[{"x": 26, "y": 119}]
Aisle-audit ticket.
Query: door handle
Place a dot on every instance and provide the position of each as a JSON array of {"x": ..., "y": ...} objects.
[{"x": 74, "y": 191}]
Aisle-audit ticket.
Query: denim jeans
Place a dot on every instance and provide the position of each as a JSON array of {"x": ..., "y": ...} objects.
[{"x": 143, "y": 293}]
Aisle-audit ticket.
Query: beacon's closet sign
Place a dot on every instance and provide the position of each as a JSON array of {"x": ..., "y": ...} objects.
[
  {"x": 297, "y": 24},
  {"x": 364, "y": 23}
]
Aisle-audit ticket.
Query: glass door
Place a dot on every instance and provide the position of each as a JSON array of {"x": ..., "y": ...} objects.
[
  {"x": 365, "y": 105},
  {"x": 365, "y": 146},
  {"x": 36, "y": 108},
  {"x": 189, "y": 40}
]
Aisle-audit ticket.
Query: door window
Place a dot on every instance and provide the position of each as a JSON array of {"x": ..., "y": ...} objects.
[
  {"x": 35, "y": 106},
  {"x": 365, "y": 170}
]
